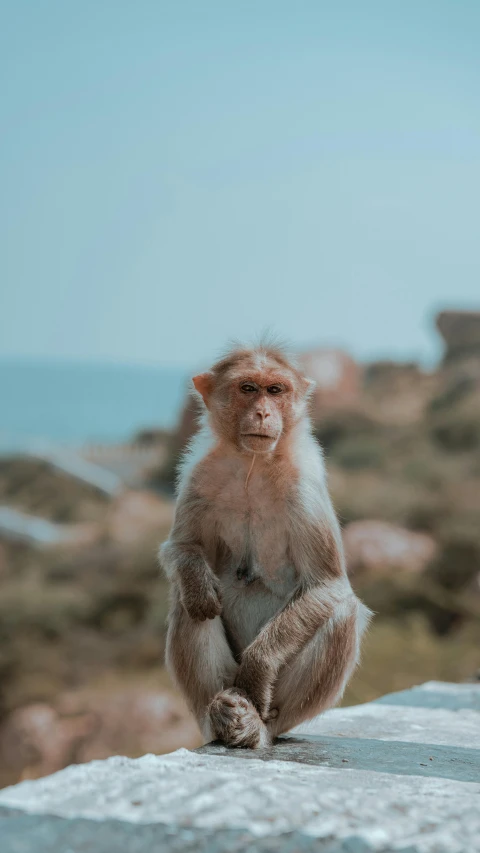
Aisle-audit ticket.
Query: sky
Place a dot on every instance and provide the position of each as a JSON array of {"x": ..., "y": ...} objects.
[{"x": 174, "y": 174}]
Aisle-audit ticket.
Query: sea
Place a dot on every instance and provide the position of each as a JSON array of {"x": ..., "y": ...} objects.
[{"x": 76, "y": 404}]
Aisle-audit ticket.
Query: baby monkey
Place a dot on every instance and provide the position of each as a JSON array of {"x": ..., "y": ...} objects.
[{"x": 264, "y": 628}]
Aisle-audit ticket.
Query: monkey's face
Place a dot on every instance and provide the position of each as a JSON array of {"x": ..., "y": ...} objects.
[
  {"x": 256, "y": 402},
  {"x": 260, "y": 404}
]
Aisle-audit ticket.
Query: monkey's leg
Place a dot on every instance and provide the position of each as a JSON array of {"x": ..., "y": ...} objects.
[
  {"x": 315, "y": 679},
  {"x": 201, "y": 662}
]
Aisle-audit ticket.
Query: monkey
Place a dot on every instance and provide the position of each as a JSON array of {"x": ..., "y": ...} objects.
[{"x": 264, "y": 628}]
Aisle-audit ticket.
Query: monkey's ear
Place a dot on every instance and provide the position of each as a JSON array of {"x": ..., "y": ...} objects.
[
  {"x": 204, "y": 385},
  {"x": 308, "y": 386}
]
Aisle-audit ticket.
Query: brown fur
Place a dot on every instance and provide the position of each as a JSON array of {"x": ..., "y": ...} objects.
[{"x": 264, "y": 627}]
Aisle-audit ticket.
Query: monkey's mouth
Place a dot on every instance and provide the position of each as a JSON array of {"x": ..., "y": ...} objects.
[{"x": 258, "y": 435}]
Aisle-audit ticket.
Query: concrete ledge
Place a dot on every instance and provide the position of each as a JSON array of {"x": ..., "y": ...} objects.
[
  {"x": 436, "y": 694},
  {"x": 406, "y": 759},
  {"x": 23, "y": 834},
  {"x": 337, "y": 789}
]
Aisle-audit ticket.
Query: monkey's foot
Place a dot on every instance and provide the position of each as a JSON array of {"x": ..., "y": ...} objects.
[{"x": 235, "y": 720}]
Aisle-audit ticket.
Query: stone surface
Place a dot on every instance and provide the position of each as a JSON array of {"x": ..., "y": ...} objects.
[
  {"x": 397, "y": 393},
  {"x": 378, "y": 546},
  {"x": 262, "y": 797},
  {"x": 22, "y": 833},
  {"x": 436, "y": 694},
  {"x": 364, "y": 781},
  {"x": 337, "y": 378},
  {"x": 406, "y": 759},
  {"x": 460, "y": 330},
  {"x": 396, "y": 723}
]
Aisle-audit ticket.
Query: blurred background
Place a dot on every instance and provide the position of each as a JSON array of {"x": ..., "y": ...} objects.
[{"x": 177, "y": 174}]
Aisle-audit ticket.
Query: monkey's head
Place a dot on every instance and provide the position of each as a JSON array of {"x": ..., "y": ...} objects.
[{"x": 254, "y": 398}]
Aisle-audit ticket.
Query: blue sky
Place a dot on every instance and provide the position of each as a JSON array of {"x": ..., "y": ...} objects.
[{"x": 174, "y": 174}]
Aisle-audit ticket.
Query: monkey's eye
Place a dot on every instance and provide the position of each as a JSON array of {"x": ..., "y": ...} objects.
[
  {"x": 274, "y": 389},
  {"x": 247, "y": 388}
]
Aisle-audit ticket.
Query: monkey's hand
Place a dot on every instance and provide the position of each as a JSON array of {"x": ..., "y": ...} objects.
[
  {"x": 200, "y": 595},
  {"x": 256, "y": 677}
]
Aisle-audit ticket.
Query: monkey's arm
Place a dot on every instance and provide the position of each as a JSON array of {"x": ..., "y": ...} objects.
[
  {"x": 323, "y": 587},
  {"x": 183, "y": 560},
  {"x": 280, "y": 640}
]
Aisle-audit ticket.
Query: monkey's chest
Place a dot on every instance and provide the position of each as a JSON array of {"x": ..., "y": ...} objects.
[
  {"x": 256, "y": 536},
  {"x": 254, "y": 564}
]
